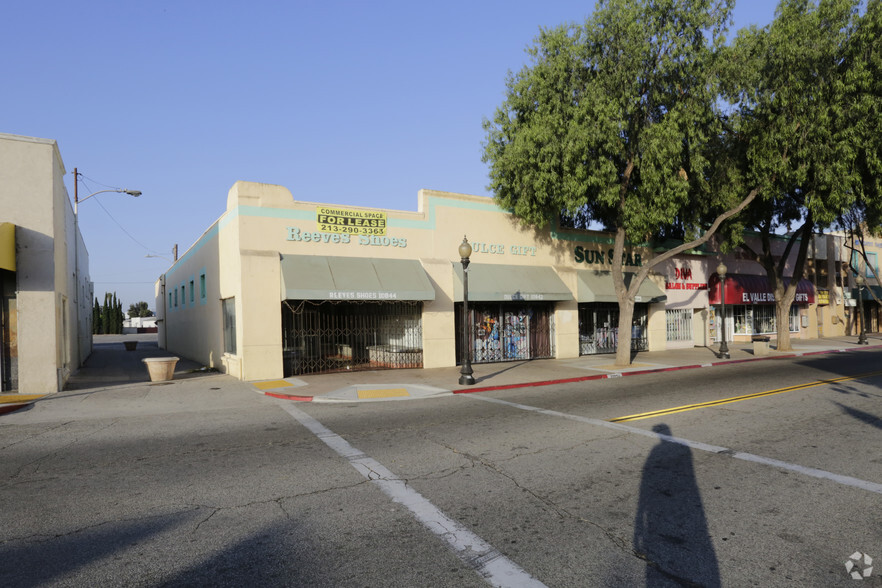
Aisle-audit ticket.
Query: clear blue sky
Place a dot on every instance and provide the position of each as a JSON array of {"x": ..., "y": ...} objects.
[{"x": 359, "y": 103}]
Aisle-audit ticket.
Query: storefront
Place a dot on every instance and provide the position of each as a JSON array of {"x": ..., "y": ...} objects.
[
  {"x": 686, "y": 310},
  {"x": 511, "y": 311},
  {"x": 599, "y": 312},
  {"x": 344, "y": 313},
  {"x": 750, "y": 306}
]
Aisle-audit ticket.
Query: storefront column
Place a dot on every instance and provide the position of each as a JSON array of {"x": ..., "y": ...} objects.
[
  {"x": 439, "y": 325},
  {"x": 566, "y": 329},
  {"x": 260, "y": 320}
]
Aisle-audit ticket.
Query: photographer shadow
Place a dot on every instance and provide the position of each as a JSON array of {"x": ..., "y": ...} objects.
[{"x": 670, "y": 531}]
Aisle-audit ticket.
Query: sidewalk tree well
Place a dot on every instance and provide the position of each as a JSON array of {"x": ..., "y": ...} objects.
[
  {"x": 617, "y": 122},
  {"x": 792, "y": 89}
]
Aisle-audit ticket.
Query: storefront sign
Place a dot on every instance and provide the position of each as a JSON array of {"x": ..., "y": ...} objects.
[
  {"x": 352, "y": 222},
  {"x": 681, "y": 281},
  {"x": 747, "y": 289},
  {"x": 593, "y": 256},
  {"x": 349, "y": 295},
  {"x": 500, "y": 249},
  {"x": 823, "y": 297},
  {"x": 295, "y": 234}
]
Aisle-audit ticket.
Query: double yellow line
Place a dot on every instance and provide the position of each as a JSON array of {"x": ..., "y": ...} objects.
[{"x": 676, "y": 409}]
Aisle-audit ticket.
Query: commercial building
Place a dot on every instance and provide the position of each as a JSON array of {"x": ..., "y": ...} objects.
[
  {"x": 45, "y": 292},
  {"x": 278, "y": 287}
]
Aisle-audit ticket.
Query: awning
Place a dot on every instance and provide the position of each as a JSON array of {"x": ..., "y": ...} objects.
[
  {"x": 316, "y": 277},
  {"x": 865, "y": 293},
  {"x": 504, "y": 283},
  {"x": 7, "y": 246},
  {"x": 597, "y": 286},
  {"x": 747, "y": 289}
]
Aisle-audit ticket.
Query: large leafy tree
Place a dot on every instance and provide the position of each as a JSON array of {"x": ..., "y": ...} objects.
[
  {"x": 139, "y": 309},
  {"x": 793, "y": 86},
  {"x": 617, "y": 122}
]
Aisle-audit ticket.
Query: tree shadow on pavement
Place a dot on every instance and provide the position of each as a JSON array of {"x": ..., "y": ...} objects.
[
  {"x": 860, "y": 415},
  {"x": 670, "y": 531}
]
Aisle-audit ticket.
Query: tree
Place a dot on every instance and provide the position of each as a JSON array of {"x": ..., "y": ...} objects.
[
  {"x": 617, "y": 122},
  {"x": 107, "y": 318},
  {"x": 791, "y": 83},
  {"x": 139, "y": 309}
]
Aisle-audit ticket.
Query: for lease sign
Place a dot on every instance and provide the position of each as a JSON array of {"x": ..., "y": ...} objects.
[{"x": 351, "y": 222}]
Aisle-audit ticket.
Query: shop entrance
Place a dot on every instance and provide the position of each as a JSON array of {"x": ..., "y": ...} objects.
[
  {"x": 507, "y": 331},
  {"x": 599, "y": 328},
  {"x": 331, "y": 336},
  {"x": 8, "y": 333}
]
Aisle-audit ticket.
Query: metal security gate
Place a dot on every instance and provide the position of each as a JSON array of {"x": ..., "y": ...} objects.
[
  {"x": 329, "y": 336},
  {"x": 507, "y": 332},
  {"x": 599, "y": 328}
]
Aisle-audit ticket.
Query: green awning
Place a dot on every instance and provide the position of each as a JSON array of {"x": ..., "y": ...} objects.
[
  {"x": 315, "y": 277},
  {"x": 597, "y": 286},
  {"x": 491, "y": 282},
  {"x": 865, "y": 292}
]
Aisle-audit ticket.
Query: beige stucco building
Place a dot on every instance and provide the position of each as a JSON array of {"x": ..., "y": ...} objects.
[
  {"x": 278, "y": 287},
  {"x": 45, "y": 292}
]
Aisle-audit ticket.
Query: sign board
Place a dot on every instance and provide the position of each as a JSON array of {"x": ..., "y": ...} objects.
[{"x": 351, "y": 222}]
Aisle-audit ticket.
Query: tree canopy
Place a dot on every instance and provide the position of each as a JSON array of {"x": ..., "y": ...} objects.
[
  {"x": 617, "y": 122},
  {"x": 800, "y": 111}
]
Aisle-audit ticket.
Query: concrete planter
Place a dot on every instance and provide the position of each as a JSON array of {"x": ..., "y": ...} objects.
[
  {"x": 160, "y": 368},
  {"x": 130, "y": 345}
]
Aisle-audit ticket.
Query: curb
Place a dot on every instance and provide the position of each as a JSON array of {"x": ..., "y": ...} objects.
[{"x": 321, "y": 399}]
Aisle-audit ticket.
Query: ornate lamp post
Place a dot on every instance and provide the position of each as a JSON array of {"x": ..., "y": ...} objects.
[
  {"x": 862, "y": 339},
  {"x": 465, "y": 378},
  {"x": 724, "y": 348}
]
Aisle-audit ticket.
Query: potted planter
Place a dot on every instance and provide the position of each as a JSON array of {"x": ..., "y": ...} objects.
[
  {"x": 160, "y": 368},
  {"x": 130, "y": 345}
]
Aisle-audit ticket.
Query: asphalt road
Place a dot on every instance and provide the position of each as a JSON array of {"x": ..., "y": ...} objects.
[{"x": 207, "y": 483}]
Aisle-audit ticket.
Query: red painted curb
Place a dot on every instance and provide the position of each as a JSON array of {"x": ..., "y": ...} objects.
[
  {"x": 289, "y": 396},
  {"x": 649, "y": 371}
]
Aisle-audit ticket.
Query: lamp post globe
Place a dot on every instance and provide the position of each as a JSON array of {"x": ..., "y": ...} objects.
[
  {"x": 465, "y": 377},
  {"x": 724, "y": 347}
]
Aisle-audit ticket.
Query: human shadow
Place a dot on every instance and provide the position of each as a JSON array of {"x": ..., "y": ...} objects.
[{"x": 670, "y": 530}]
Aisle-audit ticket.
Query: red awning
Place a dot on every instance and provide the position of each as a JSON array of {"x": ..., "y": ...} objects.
[{"x": 744, "y": 289}]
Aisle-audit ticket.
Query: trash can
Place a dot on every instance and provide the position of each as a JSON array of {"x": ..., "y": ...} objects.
[{"x": 760, "y": 345}]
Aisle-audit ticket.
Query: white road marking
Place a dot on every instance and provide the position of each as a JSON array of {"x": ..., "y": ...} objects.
[
  {"x": 806, "y": 471},
  {"x": 494, "y": 567}
]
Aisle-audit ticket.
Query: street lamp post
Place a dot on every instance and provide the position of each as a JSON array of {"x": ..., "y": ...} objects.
[
  {"x": 724, "y": 348},
  {"x": 77, "y": 201},
  {"x": 465, "y": 378},
  {"x": 862, "y": 339}
]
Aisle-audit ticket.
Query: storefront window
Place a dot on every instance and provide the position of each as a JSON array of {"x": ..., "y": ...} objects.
[
  {"x": 599, "y": 328},
  {"x": 679, "y": 324},
  {"x": 764, "y": 319},
  {"x": 742, "y": 318},
  {"x": 507, "y": 332},
  {"x": 328, "y": 336}
]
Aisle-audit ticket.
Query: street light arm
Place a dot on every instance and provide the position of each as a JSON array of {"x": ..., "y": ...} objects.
[{"x": 134, "y": 193}]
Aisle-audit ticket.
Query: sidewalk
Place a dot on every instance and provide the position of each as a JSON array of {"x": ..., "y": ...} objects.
[
  {"x": 420, "y": 383},
  {"x": 111, "y": 366}
]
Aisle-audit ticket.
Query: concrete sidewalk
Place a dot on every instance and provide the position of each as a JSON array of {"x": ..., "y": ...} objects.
[
  {"x": 420, "y": 383},
  {"x": 111, "y": 367}
]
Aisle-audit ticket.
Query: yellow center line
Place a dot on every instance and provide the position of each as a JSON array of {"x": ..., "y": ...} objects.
[{"x": 676, "y": 409}]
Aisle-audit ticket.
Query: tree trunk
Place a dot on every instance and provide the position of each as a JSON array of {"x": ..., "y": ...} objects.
[
  {"x": 782, "y": 318},
  {"x": 626, "y": 316}
]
